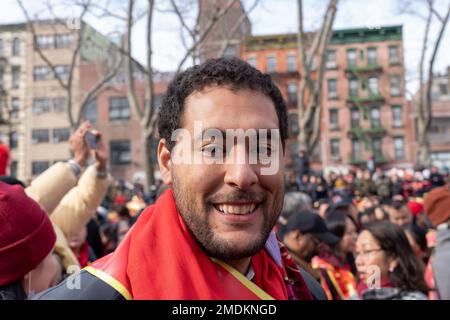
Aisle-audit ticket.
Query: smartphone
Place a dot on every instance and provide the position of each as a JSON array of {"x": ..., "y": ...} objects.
[{"x": 92, "y": 139}]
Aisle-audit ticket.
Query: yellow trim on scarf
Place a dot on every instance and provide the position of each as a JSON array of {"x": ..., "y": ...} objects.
[
  {"x": 336, "y": 285},
  {"x": 111, "y": 281},
  {"x": 242, "y": 279}
]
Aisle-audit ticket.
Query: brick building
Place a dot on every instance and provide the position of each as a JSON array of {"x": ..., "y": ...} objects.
[
  {"x": 364, "y": 113},
  {"x": 121, "y": 125},
  {"x": 33, "y": 106},
  {"x": 439, "y": 133},
  {"x": 228, "y": 32}
]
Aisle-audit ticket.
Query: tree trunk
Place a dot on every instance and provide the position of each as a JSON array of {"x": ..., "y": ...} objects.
[
  {"x": 149, "y": 163},
  {"x": 424, "y": 144}
]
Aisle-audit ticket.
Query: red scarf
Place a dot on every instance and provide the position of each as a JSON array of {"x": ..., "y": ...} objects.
[
  {"x": 160, "y": 259},
  {"x": 83, "y": 255}
]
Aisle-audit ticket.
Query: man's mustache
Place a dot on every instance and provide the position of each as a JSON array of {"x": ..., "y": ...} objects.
[{"x": 238, "y": 196}]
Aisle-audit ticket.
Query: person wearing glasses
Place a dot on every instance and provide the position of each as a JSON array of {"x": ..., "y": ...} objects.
[{"x": 387, "y": 266}]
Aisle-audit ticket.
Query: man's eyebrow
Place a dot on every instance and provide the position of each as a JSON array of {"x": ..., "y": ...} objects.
[
  {"x": 268, "y": 132},
  {"x": 202, "y": 134}
]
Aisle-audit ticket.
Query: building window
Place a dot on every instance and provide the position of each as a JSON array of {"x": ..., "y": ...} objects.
[
  {"x": 292, "y": 62},
  {"x": 376, "y": 147},
  {"x": 119, "y": 109},
  {"x": 395, "y": 86},
  {"x": 334, "y": 148},
  {"x": 372, "y": 56},
  {"x": 90, "y": 111},
  {"x": 120, "y": 152},
  {"x": 16, "y": 47},
  {"x": 15, "y": 71},
  {"x": 332, "y": 89},
  {"x": 61, "y": 135},
  {"x": 63, "y": 40},
  {"x": 39, "y": 136},
  {"x": 45, "y": 41},
  {"x": 62, "y": 71},
  {"x": 271, "y": 64},
  {"x": 157, "y": 100},
  {"x": 42, "y": 73},
  {"x": 252, "y": 61},
  {"x": 351, "y": 57},
  {"x": 37, "y": 167},
  {"x": 15, "y": 108},
  {"x": 354, "y": 121},
  {"x": 353, "y": 87},
  {"x": 2, "y": 48},
  {"x": 316, "y": 152},
  {"x": 59, "y": 104},
  {"x": 373, "y": 86},
  {"x": 293, "y": 125},
  {"x": 334, "y": 119},
  {"x": 443, "y": 88},
  {"x": 399, "y": 148},
  {"x": 397, "y": 121},
  {"x": 13, "y": 140},
  {"x": 230, "y": 51},
  {"x": 356, "y": 149},
  {"x": 375, "y": 117},
  {"x": 292, "y": 93},
  {"x": 13, "y": 169},
  {"x": 331, "y": 59},
  {"x": 393, "y": 55},
  {"x": 40, "y": 105}
]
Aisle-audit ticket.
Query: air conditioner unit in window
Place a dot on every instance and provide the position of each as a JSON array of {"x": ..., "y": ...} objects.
[
  {"x": 331, "y": 64},
  {"x": 334, "y": 126},
  {"x": 332, "y": 95}
]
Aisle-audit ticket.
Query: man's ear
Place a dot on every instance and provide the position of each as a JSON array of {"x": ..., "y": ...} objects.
[{"x": 165, "y": 162}]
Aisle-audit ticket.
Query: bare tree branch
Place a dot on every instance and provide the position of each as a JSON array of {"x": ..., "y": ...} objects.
[
  {"x": 74, "y": 61},
  {"x": 309, "y": 111},
  {"x": 237, "y": 25},
  {"x": 431, "y": 65},
  {"x": 149, "y": 107},
  {"x": 132, "y": 100},
  {"x": 181, "y": 18},
  {"x": 219, "y": 13},
  {"x": 424, "y": 102},
  {"x": 97, "y": 88},
  {"x": 422, "y": 112},
  {"x": 30, "y": 23}
]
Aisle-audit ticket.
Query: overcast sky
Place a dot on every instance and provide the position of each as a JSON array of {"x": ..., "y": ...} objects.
[{"x": 271, "y": 17}]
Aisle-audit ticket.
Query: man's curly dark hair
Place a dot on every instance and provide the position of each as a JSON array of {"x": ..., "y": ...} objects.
[{"x": 231, "y": 73}]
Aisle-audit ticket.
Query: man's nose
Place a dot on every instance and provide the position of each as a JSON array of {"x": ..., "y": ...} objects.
[{"x": 241, "y": 175}]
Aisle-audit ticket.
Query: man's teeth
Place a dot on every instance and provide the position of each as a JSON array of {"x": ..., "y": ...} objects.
[{"x": 236, "y": 209}]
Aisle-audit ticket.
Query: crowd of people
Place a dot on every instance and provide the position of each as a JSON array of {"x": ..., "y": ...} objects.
[
  {"x": 223, "y": 231},
  {"x": 370, "y": 235}
]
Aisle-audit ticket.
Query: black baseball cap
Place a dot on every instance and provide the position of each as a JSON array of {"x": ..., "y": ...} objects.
[{"x": 309, "y": 222}]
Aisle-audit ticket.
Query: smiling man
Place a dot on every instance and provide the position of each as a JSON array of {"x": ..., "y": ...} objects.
[{"x": 209, "y": 236}]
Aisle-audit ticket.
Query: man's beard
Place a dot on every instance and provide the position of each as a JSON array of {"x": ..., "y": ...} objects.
[{"x": 196, "y": 217}]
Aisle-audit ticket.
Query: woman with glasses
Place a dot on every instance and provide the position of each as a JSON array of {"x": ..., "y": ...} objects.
[{"x": 387, "y": 266}]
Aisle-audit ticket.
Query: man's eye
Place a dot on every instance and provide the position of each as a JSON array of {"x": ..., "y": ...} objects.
[
  {"x": 264, "y": 150},
  {"x": 212, "y": 150}
]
